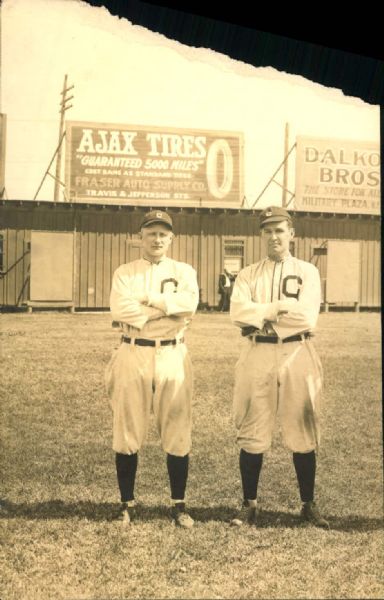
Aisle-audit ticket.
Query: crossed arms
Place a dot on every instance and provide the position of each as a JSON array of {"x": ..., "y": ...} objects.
[
  {"x": 137, "y": 308},
  {"x": 285, "y": 315}
]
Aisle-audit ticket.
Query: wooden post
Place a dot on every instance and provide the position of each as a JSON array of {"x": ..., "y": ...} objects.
[
  {"x": 58, "y": 159},
  {"x": 63, "y": 108},
  {"x": 49, "y": 166},
  {"x": 285, "y": 165},
  {"x": 3, "y": 137}
]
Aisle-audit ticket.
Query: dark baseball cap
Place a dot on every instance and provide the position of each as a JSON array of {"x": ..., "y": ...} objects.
[
  {"x": 274, "y": 214},
  {"x": 156, "y": 216}
]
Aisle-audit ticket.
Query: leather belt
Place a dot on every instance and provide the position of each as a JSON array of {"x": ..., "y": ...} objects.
[
  {"x": 153, "y": 343},
  {"x": 275, "y": 340}
]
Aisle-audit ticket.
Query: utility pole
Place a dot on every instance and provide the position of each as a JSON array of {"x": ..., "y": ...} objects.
[
  {"x": 285, "y": 167},
  {"x": 63, "y": 108}
]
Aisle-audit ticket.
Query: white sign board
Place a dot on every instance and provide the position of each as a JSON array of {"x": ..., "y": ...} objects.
[{"x": 337, "y": 176}]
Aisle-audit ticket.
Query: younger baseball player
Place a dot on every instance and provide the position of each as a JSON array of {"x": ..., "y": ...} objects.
[
  {"x": 276, "y": 302},
  {"x": 153, "y": 299}
]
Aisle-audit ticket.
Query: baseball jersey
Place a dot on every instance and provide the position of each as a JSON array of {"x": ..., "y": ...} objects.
[
  {"x": 264, "y": 288},
  {"x": 170, "y": 286}
]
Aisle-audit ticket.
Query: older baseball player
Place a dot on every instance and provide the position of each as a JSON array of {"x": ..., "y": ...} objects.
[
  {"x": 153, "y": 299},
  {"x": 276, "y": 302}
]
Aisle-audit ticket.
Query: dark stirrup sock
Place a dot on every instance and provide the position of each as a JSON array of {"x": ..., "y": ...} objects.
[
  {"x": 305, "y": 466},
  {"x": 250, "y": 467},
  {"x": 126, "y": 467},
  {"x": 178, "y": 474}
]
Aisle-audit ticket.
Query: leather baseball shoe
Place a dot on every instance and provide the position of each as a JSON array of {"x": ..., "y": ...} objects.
[
  {"x": 310, "y": 513},
  {"x": 126, "y": 514},
  {"x": 180, "y": 516},
  {"x": 246, "y": 514}
]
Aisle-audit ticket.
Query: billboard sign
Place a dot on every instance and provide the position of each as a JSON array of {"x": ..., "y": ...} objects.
[
  {"x": 130, "y": 164},
  {"x": 338, "y": 176}
]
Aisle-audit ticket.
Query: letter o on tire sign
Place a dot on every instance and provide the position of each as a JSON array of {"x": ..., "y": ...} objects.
[{"x": 219, "y": 189}]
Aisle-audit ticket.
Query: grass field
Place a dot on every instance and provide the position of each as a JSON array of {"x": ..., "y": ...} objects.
[{"x": 59, "y": 486}]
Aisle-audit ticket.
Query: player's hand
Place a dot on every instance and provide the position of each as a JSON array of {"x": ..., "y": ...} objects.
[
  {"x": 284, "y": 306},
  {"x": 155, "y": 314},
  {"x": 142, "y": 298}
]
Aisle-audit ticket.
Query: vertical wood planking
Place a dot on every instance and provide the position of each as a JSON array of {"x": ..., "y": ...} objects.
[
  {"x": 106, "y": 258},
  {"x": 11, "y": 275},
  {"x": 376, "y": 273},
  {"x": 77, "y": 258},
  {"x": 204, "y": 253},
  {"x": 376, "y": 300},
  {"x": 101, "y": 246},
  {"x": 99, "y": 259},
  {"x": 19, "y": 267},
  {"x": 3, "y": 280},
  {"x": 115, "y": 242},
  {"x": 91, "y": 268},
  {"x": 83, "y": 260},
  {"x": 215, "y": 264}
]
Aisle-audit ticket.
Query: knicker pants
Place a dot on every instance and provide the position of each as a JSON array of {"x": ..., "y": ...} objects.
[
  {"x": 278, "y": 379},
  {"x": 144, "y": 379}
]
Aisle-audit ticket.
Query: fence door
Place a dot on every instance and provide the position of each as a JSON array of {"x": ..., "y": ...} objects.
[{"x": 51, "y": 266}]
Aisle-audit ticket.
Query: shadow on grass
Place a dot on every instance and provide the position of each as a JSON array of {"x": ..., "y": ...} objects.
[
  {"x": 280, "y": 519},
  {"x": 107, "y": 511}
]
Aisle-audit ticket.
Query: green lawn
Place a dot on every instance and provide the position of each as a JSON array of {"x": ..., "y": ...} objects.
[{"x": 59, "y": 486}]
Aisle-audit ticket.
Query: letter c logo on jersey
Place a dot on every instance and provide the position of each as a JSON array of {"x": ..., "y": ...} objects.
[
  {"x": 291, "y": 286},
  {"x": 169, "y": 285}
]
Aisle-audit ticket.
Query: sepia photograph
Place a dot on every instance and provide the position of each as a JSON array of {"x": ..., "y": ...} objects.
[{"x": 190, "y": 305}]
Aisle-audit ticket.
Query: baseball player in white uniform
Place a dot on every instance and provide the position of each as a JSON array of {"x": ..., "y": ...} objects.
[
  {"x": 153, "y": 299},
  {"x": 276, "y": 302}
]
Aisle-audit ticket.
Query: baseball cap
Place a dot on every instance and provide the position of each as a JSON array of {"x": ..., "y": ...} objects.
[
  {"x": 156, "y": 216},
  {"x": 274, "y": 214}
]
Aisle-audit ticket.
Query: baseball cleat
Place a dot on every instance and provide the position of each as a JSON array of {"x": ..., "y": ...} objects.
[
  {"x": 126, "y": 514},
  {"x": 181, "y": 517},
  {"x": 311, "y": 514},
  {"x": 246, "y": 514}
]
